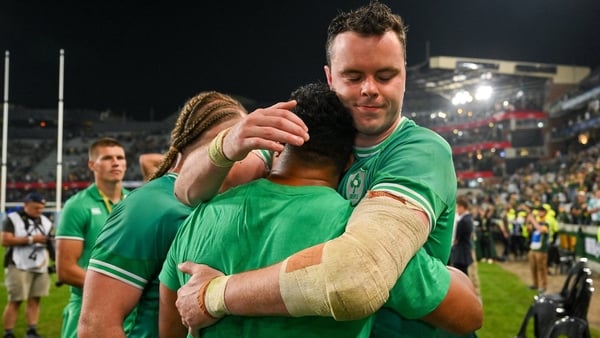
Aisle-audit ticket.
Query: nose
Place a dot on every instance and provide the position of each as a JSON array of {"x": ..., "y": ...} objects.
[
  {"x": 115, "y": 161},
  {"x": 368, "y": 87}
]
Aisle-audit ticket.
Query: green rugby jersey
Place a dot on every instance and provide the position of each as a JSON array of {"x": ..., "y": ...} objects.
[
  {"x": 82, "y": 218},
  {"x": 413, "y": 163},
  {"x": 256, "y": 225},
  {"x": 134, "y": 243}
]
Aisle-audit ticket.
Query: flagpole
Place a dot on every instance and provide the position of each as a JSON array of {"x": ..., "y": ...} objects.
[
  {"x": 4, "y": 136},
  {"x": 59, "y": 142}
]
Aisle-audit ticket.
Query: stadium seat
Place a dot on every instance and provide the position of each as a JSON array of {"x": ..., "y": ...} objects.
[
  {"x": 571, "y": 302},
  {"x": 570, "y": 327},
  {"x": 544, "y": 312}
]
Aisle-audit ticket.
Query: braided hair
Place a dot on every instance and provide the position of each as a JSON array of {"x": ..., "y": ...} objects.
[{"x": 199, "y": 114}]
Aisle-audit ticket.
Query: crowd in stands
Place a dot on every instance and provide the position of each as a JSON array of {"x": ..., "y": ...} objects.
[
  {"x": 567, "y": 186},
  {"x": 557, "y": 181},
  {"x": 32, "y": 162}
]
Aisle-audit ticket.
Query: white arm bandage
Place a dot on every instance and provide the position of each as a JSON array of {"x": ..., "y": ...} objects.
[{"x": 350, "y": 277}]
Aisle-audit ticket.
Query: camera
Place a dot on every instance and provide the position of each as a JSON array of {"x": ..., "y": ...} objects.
[{"x": 50, "y": 247}]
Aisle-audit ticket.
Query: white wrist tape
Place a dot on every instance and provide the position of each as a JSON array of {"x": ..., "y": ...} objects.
[
  {"x": 350, "y": 277},
  {"x": 214, "y": 298}
]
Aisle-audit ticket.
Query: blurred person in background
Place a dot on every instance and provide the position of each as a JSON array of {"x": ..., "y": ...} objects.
[
  {"x": 461, "y": 256},
  {"x": 594, "y": 207},
  {"x": 484, "y": 234},
  {"x": 26, "y": 234},
  {"x": 579, "y": 209},
  {"x": 538, "y": 249},
  {"x": 82, "y": 219},
  {"x": 149, "y": 163}
]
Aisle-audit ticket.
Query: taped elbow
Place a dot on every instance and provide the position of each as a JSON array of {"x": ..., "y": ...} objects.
[
  {"x": 358, "y": 300},
  {"x": 314, "y": 283}
]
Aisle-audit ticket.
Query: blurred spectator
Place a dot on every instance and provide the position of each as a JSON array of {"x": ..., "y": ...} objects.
[
  {"x": 461, "y": 256},
  {"x": 594, "y": 207},
  {"x": 26, "y": 233},
  {"x": 538, "y": 254},
  {"x": 579, "y": 211}
]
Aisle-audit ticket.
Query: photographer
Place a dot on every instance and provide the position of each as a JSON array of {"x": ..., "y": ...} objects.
[{"x": 26, "y": 234}]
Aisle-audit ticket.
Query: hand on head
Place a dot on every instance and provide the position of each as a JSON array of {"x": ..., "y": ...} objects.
[{"x": 266, "y": 128}]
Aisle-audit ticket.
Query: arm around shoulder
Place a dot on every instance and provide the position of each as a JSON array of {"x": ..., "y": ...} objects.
[{"x": 461, "y": 311}]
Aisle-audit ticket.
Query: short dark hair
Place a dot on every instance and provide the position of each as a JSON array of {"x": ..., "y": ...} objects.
[
  {"x": 463, "y": 201},
  {"x": 329, "y": 123},
  {"x": 373, "y": 19},
  {"x": 103, "y": 142}
]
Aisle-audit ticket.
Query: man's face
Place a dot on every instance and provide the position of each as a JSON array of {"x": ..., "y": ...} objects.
[
  {"x": 369, "y": 75},
  {"x": 109, "y": 165},
  {"x": 33, "y": 209}
]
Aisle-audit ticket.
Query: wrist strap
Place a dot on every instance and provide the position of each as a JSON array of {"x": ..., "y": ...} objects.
[
  {"x": 211, "y": 297},
  {"x": 215, "y": 151}
]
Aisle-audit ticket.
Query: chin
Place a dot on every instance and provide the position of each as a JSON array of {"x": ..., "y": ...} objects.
[{"x": 370, "y": 130}]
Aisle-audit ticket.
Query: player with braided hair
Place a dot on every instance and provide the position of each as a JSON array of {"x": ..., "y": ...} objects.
[{"x": 130, "y": 250}]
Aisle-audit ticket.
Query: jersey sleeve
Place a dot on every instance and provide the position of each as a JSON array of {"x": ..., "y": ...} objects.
[
  {"x": 420, "y": 169},
  {"x": 265, "y": 155},
  {"x": 73, "y": 219},
  {"x": 131, "y": 247}
]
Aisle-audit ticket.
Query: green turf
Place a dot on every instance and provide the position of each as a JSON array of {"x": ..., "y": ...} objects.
[
  {"x": 51, "y": 308},
  {"x": 505, "y": 302}
]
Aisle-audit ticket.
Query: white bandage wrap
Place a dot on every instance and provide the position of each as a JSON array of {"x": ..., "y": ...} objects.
[
  {"x": 214, "y": 299},
  {"x": 350, "y": 277}
]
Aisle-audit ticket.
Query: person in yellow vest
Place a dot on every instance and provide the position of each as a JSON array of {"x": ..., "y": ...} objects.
[
  {"x": 538, "y": 254},
  {"x": 550, "y": 218},
  {"x": 517, "y": 230}
]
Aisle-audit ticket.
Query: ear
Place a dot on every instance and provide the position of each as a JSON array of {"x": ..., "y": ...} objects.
[
  {"x": 91, "y": 165},
  {"x": 327, "y": 74}
]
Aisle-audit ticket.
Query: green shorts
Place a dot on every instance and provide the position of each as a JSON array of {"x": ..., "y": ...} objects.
[{"x": 22, "y": 285}]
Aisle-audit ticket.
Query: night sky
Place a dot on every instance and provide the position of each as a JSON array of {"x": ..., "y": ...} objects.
[{"x": 146, "y": 59}]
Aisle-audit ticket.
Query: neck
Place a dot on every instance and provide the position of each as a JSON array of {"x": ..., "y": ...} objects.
[
  {"x": 289, "y": 172},
  {"x": 112, "y": 190},
  {"x": 299, "y": 181}
]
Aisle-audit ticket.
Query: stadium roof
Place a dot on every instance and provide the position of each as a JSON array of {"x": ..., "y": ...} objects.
[{"x": 434, "y": 85}]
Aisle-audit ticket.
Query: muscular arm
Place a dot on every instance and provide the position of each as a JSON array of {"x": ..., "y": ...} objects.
[
  {"x": 149, "y": 163},
  {"x": 169, "y": 321},
  {"x": 267, "y": 129},
  {"x": 461, "y": 310},
  {"x": 348, "y": 277},
  {"x": 68, "y": 252},
  {"x": 103, "y": 313}
]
